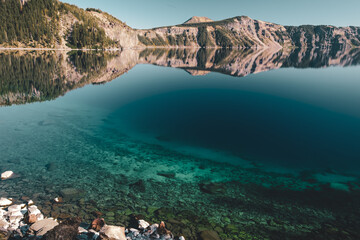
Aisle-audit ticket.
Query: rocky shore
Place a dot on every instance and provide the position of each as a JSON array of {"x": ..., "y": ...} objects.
[{"x": 26, "y": 221}]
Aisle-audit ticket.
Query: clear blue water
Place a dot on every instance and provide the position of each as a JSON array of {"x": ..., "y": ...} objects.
[{"x": 264, "y": 139}]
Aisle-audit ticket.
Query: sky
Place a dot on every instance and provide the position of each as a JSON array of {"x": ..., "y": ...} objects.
[{"x": 142, "y": 14}]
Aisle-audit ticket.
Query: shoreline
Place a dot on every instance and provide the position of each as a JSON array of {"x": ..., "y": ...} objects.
[
  {"x": 132, "y": 48},
  {"x": 26, "y": 220}
]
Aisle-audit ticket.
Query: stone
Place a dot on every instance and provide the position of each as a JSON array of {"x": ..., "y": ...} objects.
[
  {"x": 110, "y": 214},
  {"x": 181, "y": 238},
  {"x": 4, "y": 202},
  {"x": 7, "y": 175},
  {"x": 167, "y": 174},
  {"x": 97, "y": 224},
  {"x": 4, "y": 225},
  {"x": 143, "y": 224},
  {"x": 41, "y": 227},
  {"x": 71, "y": 193},
  {"x": 138, "y": 186},
  {"x": 51, "y": 166},
  {"x": 212, "y": 188},
  {"x": 33, "y": 210},
  {"x": 30, "y": 219},
  {"x": 162, "y": 231},
  {"x": 209, "y": 235},
  {"x": 340, "y": 186},
  {"x": 109, "y": 232},
  {"x": 82, "y": 230},
  {"x": 14, "y": 208},
  {"x": 68, "y": 229},
  {"x": 58, "y": 200}
]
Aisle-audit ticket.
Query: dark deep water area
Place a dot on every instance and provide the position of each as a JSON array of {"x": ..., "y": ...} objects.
[{"x": 251, "y": 145}]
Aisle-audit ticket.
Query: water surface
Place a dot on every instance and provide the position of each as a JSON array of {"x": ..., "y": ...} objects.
[{"x": 261, "y": 144}]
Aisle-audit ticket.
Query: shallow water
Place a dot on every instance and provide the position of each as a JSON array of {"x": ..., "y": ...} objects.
[{"x": 268, "y": 155}]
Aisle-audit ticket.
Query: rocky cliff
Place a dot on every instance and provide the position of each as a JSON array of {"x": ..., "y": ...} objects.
[{"x": 72, "y": 27}]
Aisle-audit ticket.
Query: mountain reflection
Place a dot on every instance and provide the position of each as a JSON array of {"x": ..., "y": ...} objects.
[{"x": 30, "y": 76}]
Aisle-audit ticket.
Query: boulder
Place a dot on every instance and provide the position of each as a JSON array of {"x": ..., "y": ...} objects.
[
  {"x": 68, "y": 229},
  {"x": 41, "y": 227},
  {"x": 209, "y": 235},
  {"x": 109, "y": 232},
  {"x": 4, "y": 202},
  {"x": 7, "y": 175}
]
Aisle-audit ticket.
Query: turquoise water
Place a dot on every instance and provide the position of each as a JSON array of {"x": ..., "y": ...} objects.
[{"x": 271, "y": 155}]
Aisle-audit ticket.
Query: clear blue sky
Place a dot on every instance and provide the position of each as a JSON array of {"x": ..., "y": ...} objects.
[{"x": 155, "y": 13}]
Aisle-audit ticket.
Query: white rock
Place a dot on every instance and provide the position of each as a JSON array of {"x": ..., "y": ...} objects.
[
  {"x": 181, "y": 238},
  {"x": 14, "y": 214},
  {"x": 14, "y": 208},
  {"x": 30, "y": 202},
  {"x": 5, "y": 202},
  {"x": 41, "y": 227},
  {"x": 4, "y": 225},
  {"x": 34, "y": 210},
  {"x": 15, "y": 219},
  {"x": 143, "y": 224},
  {"x": 40, "y": 217},
  {"x": 153, "y": 228},
  {"x": 113, "y": 232},
  {"x": 7, "y": 175},
  {"x": 82, "y": 230},
  {"x": 134, "y": 232}
]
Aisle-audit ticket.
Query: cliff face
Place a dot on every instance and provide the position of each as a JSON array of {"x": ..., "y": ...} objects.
[
  {"x": 309, "y": 36},
  {"x": 238, "y": 32},
  {"x": 72, "y": 27},
  {"x": 244, "y": 32}
]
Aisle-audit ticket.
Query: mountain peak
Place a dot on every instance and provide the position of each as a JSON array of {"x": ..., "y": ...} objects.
[{"x": 196, "y": 19}]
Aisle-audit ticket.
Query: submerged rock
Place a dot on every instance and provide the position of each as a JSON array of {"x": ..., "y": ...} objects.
[
  {"x": 167, "y": 174},
  {"x": 51, "y": 166},
  {"x": 209, "y": 235},
  {"x": 7, "y": 175},
  {"x": 41, "y": 227},
  {"x": 138, "y": 186},
  {"x": 71, "y": 193},
  {"x": 109, "y": 232},
  {"x": 212, "y": 188}
]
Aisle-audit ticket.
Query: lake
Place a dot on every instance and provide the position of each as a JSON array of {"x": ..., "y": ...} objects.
[{"x": 253, "y": 144}]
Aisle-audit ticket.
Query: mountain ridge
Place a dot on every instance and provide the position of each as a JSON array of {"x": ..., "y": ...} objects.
[{"x": 65, "y": 26}]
